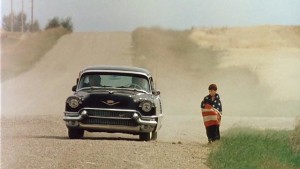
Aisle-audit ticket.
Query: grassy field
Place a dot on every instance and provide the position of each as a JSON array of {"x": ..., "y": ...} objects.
[
  {"x": 256, "y": 149},
  {"x": 19, "y": 52}
]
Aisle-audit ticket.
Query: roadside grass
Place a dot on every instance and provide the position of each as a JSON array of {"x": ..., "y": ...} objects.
[
  {"x": 19, "y": 52},
  {"x": 249, "y": 148}
]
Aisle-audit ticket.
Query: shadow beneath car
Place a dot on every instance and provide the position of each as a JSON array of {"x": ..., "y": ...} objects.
[
  {"x": 50, "y": 137},
  {"x": 110, "y": 138},
  {"x": 84, "y": 138}
]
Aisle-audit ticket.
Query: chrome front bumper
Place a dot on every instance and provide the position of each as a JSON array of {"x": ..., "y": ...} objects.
[{"x": 145, "y": 123}]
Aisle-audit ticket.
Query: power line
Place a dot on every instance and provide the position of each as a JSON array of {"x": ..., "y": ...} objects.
[
  {"x": 22, "y": 16},
  {"x": 11, "y": 16},
  {"x": 31, "y": 26}
]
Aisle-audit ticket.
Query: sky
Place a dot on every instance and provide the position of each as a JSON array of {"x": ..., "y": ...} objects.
[{"x": 127, "y": 15}]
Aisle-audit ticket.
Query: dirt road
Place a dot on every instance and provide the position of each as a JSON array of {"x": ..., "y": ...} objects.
[
  {"x": 34, "y": 135},
  {"x": 41, "y": 142}
]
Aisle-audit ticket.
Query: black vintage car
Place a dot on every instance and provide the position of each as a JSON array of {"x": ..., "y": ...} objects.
[{"x": 114, "y": 99}]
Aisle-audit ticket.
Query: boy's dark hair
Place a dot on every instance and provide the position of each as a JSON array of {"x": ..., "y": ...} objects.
[{"x": 212, "y": 87}]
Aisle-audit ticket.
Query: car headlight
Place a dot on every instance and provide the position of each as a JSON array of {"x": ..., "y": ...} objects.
[
  {"x": 146, "y": 106},
  {"x": 73, "y": 102}
]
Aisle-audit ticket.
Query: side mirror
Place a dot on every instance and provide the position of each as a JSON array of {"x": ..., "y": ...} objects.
[
  {"x": 74, "y": 88},
  {"x": 156, "y": 92}
]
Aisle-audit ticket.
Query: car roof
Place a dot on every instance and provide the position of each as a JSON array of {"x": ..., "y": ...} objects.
[{"x": 114, "y": 68}]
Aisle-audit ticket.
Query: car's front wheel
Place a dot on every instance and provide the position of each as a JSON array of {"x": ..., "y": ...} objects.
[
  {"x": 148, "y": 136},
  {"x": 145, "y": 136},
  {"x": 75, "y": 133},
  {"x": 154, "y": 136}
]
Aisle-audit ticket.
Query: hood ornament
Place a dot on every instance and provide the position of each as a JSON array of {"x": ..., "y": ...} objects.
[{"x": 110, "y": 102}]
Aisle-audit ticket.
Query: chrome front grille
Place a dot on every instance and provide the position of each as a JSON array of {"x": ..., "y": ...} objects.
[
  {"x": 110, "y": 113},
  {"x": 110, "y": 117},
  {"x": 109, "y": 121}
]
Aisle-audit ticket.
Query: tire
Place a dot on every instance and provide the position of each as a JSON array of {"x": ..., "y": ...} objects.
[
  {"x": 145, "y": 136},
  {"x": 75, "y": 133},
  {"x": 154, "y": 136}
]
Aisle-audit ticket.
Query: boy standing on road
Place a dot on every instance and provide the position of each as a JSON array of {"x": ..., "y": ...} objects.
[{"x": 211, "y": 107}]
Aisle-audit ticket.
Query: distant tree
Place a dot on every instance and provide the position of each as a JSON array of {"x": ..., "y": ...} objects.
[
  {"x": 53, "y": 23},
  {"x": 17, "y": 23},
  {"x": 67, "y": 24},
  {"x": 35, "y": 27},
  {"x": 56, "y": 22},
  {"x": 6, "y": 19}
]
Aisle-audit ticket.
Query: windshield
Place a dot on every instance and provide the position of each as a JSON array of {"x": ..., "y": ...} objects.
[{"x": 100, "y": 80}]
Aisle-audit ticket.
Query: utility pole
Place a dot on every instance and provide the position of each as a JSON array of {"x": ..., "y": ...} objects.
[
  {"x": 11, "y": 16},
  {"x": 31, "y": 25},
  {"x": 22, "y": 16}
]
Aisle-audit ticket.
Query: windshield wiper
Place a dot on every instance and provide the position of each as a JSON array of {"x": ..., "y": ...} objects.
[
  {"x": 123, "y": 87},
  {"x": 103, "y": 86},
  {"x": 131, "y": 88},
  {"x": 94, "y": 87}
]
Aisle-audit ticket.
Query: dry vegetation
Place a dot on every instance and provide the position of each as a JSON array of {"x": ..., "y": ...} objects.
[
  {"x": 154, "y": 46},
  {"x": 271, "y": 37},
  {"x": 21, "y": 51}
]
